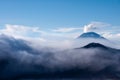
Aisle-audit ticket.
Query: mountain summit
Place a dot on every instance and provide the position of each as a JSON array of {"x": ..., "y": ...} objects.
[
  {"x": 95, "y": 45},
  {"x": 91, "y": 35}
]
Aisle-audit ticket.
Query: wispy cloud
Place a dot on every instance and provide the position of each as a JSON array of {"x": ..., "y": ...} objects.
[
  {"x": 94, "y": 26},
  {"x": 66, "y": 29},
  {"x": 21, "y": 30},
  {"x": 112, "y": 36}
]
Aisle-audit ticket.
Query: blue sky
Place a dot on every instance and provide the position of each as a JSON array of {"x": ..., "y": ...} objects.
[
  {"x": 60, "y": 16},
  {"x": 59, "y": 13}
]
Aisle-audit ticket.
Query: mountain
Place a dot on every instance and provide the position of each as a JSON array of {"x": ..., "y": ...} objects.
[
  {"x": 91, "y": 35},
  {"x": 105, "y": 49},
  {"x": 95, "y": 45}
]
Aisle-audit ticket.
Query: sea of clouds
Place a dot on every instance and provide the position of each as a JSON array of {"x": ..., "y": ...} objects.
[{"x": 25, "y": 58}]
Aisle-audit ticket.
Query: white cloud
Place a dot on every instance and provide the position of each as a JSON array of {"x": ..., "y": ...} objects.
[
  {"x": 112, "y": 36},
  {"x": 21, "y": 31},
  {"x": 34, "y": 33},
  {"x": 24, "y": 32},
  {"x": 94, "y": 25},
  {"x": 66, "y": 29}
]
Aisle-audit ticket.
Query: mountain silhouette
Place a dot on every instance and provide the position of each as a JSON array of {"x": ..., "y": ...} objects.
[{"x": 95, "y": 45}]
